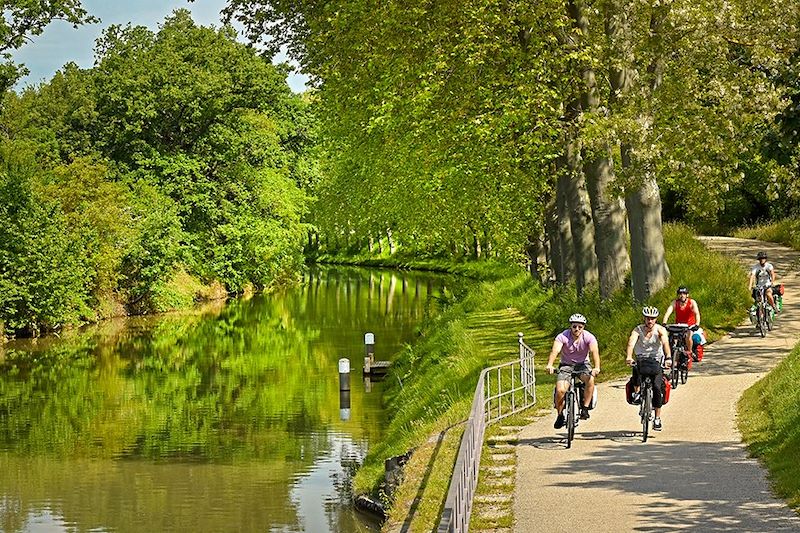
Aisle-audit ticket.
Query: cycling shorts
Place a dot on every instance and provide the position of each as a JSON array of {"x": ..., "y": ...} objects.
[{"x": 565, "y": 371}]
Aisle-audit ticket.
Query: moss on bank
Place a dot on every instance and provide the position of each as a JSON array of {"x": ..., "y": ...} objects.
[{"x": 439, "y": 372}]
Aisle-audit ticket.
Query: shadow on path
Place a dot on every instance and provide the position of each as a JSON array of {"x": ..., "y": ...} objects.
[{"x": 697, "y": 485}]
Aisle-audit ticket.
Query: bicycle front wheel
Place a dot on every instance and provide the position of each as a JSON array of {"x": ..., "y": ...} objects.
[
  {"x": 569, "y": 416},
  {"x": 647, "y": 407},
  {"x": 762, "y": 330}
]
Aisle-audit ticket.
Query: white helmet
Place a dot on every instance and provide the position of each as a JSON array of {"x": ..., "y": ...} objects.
[
  {"x": 577, "y": 318},
  {"x": 650, "y": 312}
]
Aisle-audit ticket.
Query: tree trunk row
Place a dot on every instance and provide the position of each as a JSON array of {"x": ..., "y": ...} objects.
[{"x": 586, "y": 223}]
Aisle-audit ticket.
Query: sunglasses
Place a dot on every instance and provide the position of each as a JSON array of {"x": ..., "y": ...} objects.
[
  {"x": 683, "y": 292},
  {"x": 577, "y": 326}
]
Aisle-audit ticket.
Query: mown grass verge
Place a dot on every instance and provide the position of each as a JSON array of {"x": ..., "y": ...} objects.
[
  {"x": 786, "y": 231},
  {"x": 769, "y": 420},
  {"x": 439, "y": 372}
]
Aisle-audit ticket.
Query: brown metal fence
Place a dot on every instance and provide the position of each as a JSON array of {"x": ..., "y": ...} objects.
[{"x": 501, "y": 391}]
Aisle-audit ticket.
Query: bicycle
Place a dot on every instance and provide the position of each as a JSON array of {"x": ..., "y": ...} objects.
[
  {"x": 764, "y": 317},
  {"x": 646, "y": 409},
  {"x": 573, "y": 400},
  {"x": 679, "y": 367}
]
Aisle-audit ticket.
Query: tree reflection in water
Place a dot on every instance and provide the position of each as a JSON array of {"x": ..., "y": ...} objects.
[{"x": 205, "y": 421}]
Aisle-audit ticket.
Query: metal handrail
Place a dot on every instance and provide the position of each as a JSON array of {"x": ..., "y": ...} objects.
[{"x": 487, "y": 407}]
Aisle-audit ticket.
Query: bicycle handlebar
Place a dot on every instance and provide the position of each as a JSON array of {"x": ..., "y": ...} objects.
[{"x": 681, "y": 325}]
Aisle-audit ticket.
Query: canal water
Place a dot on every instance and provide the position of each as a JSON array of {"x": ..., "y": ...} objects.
[{"x": 222, "y": 419}]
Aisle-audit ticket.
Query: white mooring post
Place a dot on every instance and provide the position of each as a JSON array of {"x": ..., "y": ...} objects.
[
  {"x": 344, "y": 374},
  {"x": 369, "y": 351}
]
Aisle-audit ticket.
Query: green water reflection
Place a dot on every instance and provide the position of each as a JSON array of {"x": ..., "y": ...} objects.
[{"x": 222, "y": 420}]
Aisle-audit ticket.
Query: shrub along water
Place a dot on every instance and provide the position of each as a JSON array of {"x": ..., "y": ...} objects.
[{"x": 433, "y": 381}]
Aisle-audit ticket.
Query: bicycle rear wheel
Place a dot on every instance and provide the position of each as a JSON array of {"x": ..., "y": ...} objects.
[
  {"x": 673, "y": 372},
  {"x": 684, "y": 375},
  {"x": 569, "y": 416}
]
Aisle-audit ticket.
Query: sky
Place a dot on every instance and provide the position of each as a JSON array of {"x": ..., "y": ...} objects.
[{"x": 61, "y": 43}]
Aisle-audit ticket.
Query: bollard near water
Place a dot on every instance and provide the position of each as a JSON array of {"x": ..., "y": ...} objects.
[
  {"x": 344, "y": 389},
  {"x": 369, "y": 351},
  {"x": 344, "y": 374},
  {"x": 344, "y": 405}
]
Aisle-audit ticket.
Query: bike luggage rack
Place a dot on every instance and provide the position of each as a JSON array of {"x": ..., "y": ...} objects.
[{"x": 487, "y": 407}]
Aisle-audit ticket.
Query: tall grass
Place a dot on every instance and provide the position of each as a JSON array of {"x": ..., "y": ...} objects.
[
  {"x": 439, "y": 372},
  {"x": 769, "y": 420},
  {"x": 786, "y": 231}
]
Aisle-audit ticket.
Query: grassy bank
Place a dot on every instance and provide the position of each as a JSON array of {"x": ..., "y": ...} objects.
[
  {"x": 786, "y": 231},
  {"x": 770, "y": 423},
  {"x": 438, "y": 373}
]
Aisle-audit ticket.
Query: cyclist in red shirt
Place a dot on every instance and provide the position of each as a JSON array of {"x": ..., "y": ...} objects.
[{"x": 686, "y": 312}]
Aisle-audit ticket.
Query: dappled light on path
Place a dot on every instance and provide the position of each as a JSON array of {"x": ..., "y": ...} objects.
[{"x": 695, "y": 474}]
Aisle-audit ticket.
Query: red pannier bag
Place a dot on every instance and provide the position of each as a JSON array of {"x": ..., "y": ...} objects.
[
  {"x": 699, "y": 349},
  {"x": 667, "y": 389},
  {"x": 629, "y": 391},
  {"x": 779, "y": 289}
]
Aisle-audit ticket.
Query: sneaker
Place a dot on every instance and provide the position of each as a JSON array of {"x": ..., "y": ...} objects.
[
  {"x": 584, "y": 413},
  {"x": 636, "y": 398},
  {"x": 657, "y": 424},
  {"x": 559, "y": 421}
]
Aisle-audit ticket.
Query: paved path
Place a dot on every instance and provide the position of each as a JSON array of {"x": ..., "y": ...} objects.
[{"x": 693, "y": 475}]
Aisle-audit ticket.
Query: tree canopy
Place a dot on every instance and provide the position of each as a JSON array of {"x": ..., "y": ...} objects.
[{"x": 181, "y": 151}]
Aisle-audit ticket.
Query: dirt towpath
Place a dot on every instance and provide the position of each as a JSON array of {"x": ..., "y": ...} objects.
[{"x": 693, "y": 475}]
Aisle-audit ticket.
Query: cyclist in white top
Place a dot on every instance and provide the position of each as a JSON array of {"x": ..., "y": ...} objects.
[
  {"x": 650, "y": 343},
  {"x": 762, "y": 275}
]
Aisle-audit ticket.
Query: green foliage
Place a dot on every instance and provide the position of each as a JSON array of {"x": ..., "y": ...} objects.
[
  {"x": 770, "y": 424},
  {"x": 42, "y": 269},
  {"x": 182, "y": 150},
  {"x": 208, "y": 123}
]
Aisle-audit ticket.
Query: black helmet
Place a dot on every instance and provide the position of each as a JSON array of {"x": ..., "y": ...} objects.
[
  {"x": 682, "y": 290},
  {"x": 761, "y": 255}
]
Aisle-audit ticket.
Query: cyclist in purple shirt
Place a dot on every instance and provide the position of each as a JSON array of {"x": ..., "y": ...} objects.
[{"x": 575, "y": 344}]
